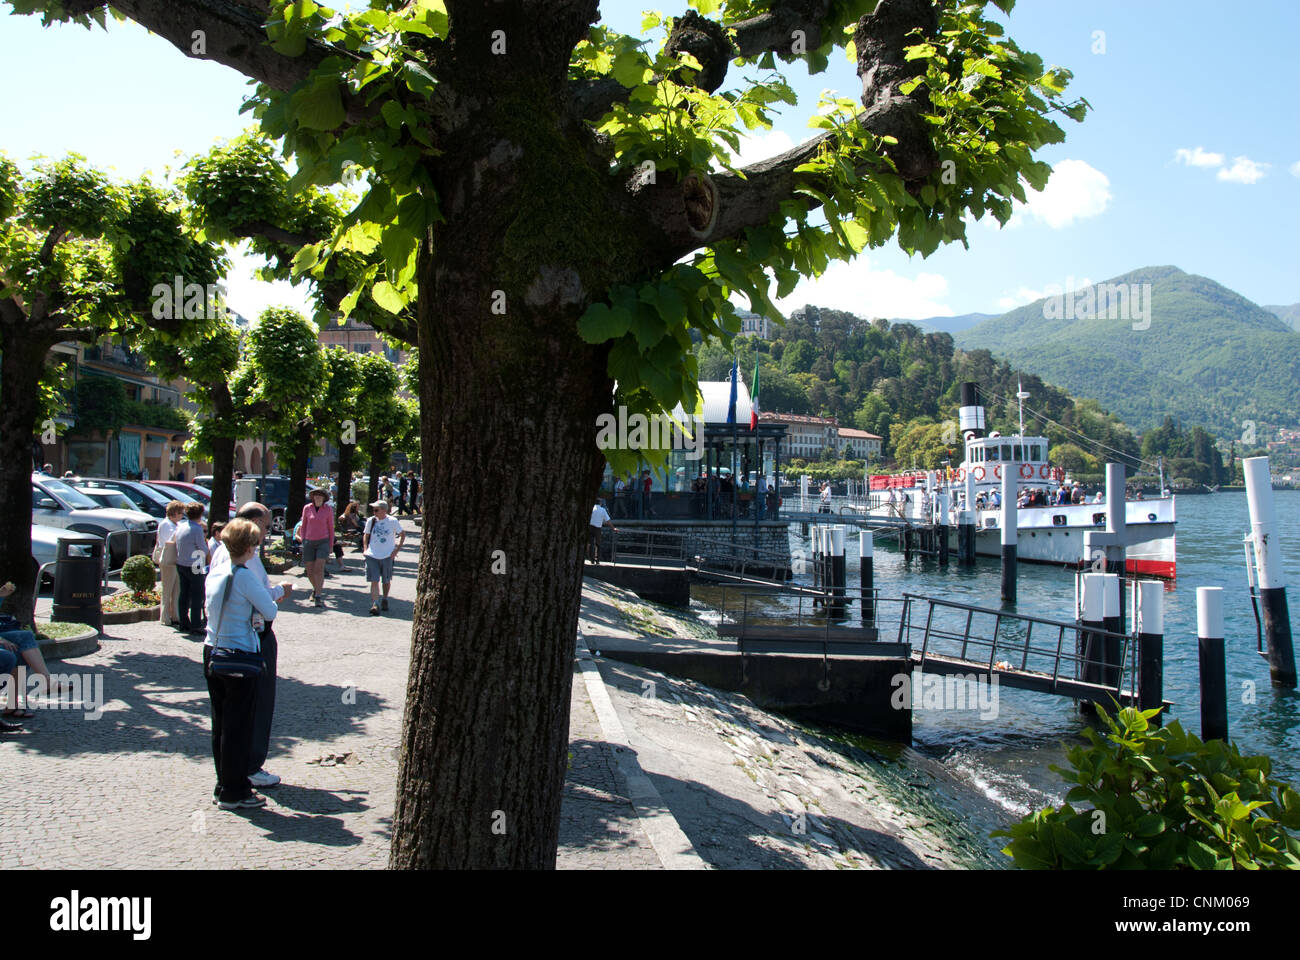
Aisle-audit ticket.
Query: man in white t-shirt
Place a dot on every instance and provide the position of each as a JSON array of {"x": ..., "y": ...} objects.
[
  {"x": 599, "y": 520},
  {"x": 383, "y": 537}
]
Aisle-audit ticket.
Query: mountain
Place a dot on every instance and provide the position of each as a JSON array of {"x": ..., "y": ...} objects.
[
  {"x": 949, "y": 324},
  {"x": 1288, "y": 315},
  {"x": 1182, "y": 345}
]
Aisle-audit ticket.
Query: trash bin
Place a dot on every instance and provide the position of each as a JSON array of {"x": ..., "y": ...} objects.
[{"x": 78, "y": 573}]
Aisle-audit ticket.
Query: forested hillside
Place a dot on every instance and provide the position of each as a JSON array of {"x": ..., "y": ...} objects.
[
  {"x": 902, "y": 383},
  {"x": 1203, "y": 355}
]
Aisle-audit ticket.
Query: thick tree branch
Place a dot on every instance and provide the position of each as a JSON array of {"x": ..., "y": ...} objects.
[
  {"x": 82, "y": 334},
  {"x": 502, "y": 41},
  {"x": 775, "y": 31},
  {"x": 734, "y": 203},
  {"x": 233, "y": 34}
]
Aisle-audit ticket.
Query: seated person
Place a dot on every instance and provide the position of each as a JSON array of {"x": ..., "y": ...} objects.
[{"x": 22, "y": 646}]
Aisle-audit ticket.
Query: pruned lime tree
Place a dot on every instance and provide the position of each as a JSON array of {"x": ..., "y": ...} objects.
[
  {"x": 207, "y": 362},
  {"x": 550, "y": 207},
  {"x": 282, "y": 380},
  {"x": 82, "y": 258}
]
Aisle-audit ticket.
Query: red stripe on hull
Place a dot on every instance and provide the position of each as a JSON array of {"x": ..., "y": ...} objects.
[{"x": 1156, "y": 568}]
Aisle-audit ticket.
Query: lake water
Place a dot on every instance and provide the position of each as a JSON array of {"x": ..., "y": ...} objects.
[{"x": 1007, "y": 757}]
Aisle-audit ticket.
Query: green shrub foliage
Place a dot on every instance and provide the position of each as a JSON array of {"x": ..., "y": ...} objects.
[
  {"x": 1150, "y": 797},
  {"x": 139, "y": 574}
]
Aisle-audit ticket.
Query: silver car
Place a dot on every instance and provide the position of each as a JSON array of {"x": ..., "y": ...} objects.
[
  {"x": 57, "y": 504},
  {"x": 45, "y": 545}
]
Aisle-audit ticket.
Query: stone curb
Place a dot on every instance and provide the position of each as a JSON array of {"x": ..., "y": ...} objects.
[
  {"x": 64, "y": 648},
  {"x": 670, "y": 843}
]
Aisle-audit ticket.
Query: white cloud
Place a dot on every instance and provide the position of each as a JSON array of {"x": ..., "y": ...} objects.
[
  {"x": 1295, "y": 169},
  {"x": 1243, "y": 170},
  {"x": 1198, "y": 157},
  {"x": 859, "y": 289},
  {"x": 1076, "y": 191},
  {"x": 1024, "y": 295}
]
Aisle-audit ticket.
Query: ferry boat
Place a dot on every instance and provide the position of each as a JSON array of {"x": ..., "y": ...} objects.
[{"x": 1049, "y": 533}]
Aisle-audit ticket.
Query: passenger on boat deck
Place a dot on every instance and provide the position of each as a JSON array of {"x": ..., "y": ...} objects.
[
  {"x": 1076, "y": 494},
  {"x": 1063, "y": 495},
  {"x": 1099, "y": 498},
  {"x": 995, "y": 498}
]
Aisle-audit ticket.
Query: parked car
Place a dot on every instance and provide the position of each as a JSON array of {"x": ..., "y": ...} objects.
[
  {"x": 45, "y": 545},
  {"x": 107, "y": 498},
  {"x": 144, "y": 497},
  {"x": 58, "y": 504},
  {"x": 191, "y": 490},
  {"x": 274, "y": 492}
]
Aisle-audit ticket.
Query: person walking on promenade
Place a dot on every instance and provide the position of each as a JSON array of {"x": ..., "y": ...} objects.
[
  {"x": 384, "y": 536},
  {"x": 599, "y": 520},
  {"x": 264, "y": 710},
  {"x": 415, "y": 492},
  {"x": 164, "y": 558},
  {"x": 192, "y": 562},
  {"x": 402, "y": 486},
  {"x": 317, "y": 541},
  {"x": 235, "y": 595}
]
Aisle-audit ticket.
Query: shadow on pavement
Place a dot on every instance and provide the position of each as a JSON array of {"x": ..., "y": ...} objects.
[{"x": 167, "y": 711}]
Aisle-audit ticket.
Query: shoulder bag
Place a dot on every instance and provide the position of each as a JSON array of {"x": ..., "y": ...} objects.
[{"x": 228, "y": 661}]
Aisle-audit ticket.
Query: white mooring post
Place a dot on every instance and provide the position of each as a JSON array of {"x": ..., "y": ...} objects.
[
  {"x": 1092, "y": 615},
  {"x": 1266, "y": 541},
  {"x": 1211, "y": 654},
  {"x": 1009, "y": 520}
]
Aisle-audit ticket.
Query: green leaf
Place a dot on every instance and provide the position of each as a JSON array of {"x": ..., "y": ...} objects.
[
  {"x": 601, "y": 323},
  {"x": 384, "y": 294},
  {"x": 320, "y": 106}
]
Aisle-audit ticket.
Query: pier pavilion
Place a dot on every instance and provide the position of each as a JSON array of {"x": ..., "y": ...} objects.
[{"x": 710, "y": 487}]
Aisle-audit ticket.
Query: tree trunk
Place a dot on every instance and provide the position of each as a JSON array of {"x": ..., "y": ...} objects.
[
  {"x": 485, "y": 732},
  {"x": 373, "y": 493},
  {"x": 21, "y": 365},
  {"x": 223, "y": 478},
  {"x": 344, "y": 481},
  {"x": 301, "y": 453}
]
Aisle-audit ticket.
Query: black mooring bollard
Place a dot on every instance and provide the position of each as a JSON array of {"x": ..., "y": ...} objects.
[
  {"x": 867, "y": 574},
  {"x": 1211, "y": 654},
  {"x": 1150, "y": 616}
]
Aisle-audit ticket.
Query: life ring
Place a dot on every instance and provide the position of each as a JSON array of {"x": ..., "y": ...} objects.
[
  {"x": 1044, "y": 471},
  {"x": 977, "y": 473},
  {"x": 1026, "y": 471},
  {"x": 997, "y": 472},
  {"x": 960, "y": 475}
]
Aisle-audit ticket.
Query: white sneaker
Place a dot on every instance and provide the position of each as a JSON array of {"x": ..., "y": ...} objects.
[{"x": 263, "y": 779}]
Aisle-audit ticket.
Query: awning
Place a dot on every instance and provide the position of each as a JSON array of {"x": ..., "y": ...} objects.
[{"x": 128, "y": 453}]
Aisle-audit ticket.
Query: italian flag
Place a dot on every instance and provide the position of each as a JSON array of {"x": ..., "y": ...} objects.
[{"x": 753, "y": 400}]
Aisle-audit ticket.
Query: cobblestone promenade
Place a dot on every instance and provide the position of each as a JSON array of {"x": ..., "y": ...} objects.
[{"x": 132, "y": 788}]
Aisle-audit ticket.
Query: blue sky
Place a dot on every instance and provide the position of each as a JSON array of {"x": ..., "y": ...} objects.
[{"x": 1191, "y": 156}]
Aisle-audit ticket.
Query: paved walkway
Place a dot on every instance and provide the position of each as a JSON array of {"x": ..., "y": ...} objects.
[{"x": 131, "y": 789}]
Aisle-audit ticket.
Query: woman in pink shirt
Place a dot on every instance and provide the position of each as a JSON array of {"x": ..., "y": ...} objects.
[{"x": 317, "y": 540}]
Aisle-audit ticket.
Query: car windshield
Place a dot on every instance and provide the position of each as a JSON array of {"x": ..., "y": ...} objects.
[
  {"x": 110, "y": 498},
  {"x": 75, "y": 500}
]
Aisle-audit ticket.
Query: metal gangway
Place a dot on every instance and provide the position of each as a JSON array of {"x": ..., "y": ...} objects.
[
  {"x": 795, "y": 620},
  {"x": 704, "y": 558},
  {"x": 1058, "y": 657}
]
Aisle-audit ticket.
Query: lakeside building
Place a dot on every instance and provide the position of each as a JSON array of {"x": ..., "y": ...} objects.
[{"x": 154, "y": 431}]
